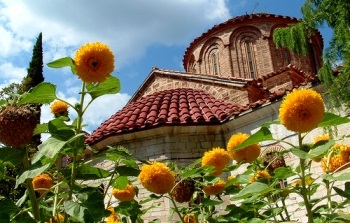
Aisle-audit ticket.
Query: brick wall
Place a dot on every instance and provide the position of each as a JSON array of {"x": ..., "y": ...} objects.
[
  {"x": 232, "y": 55},
  {"x": 230, "y": 94}
]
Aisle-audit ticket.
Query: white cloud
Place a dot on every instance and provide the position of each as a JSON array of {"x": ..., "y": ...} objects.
[
  {"x": 9, "y": 73},
  {"x": 129, "y": 27},
  {"x": 103, "y": 108}
]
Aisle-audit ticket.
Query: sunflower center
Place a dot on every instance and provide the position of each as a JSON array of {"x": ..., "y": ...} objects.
[
  {"x": 94, "y": 63},
  {"x": 304, "y": 114}
]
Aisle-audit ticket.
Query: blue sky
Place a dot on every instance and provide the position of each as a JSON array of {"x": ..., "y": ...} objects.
[{"x": 142, "y": 34}]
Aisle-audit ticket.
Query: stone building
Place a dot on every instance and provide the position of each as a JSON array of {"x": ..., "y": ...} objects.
[{"x": 234, "y": 80}]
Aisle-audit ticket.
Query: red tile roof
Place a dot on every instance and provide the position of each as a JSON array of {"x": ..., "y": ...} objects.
[{"x": 181, "y": 106}]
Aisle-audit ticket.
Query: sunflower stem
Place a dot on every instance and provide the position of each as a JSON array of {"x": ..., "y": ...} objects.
[
  {"x": 32, "y": 196},
  {"x": 75, "y": 150},
  {"x": 304, "y": 191},
  {"x": 176, "y": 208}
]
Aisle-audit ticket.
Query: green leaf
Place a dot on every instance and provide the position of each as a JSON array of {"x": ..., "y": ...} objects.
[
  {"x": 62, "y": 62},
  {"x": 40, "y": 128},
  {"x": 3, "y": 102},
  {"x": 344, "y": 193},
  {"x": 274, "y": 122},
  {"x": 110, "y": 86},
  {"x": 263, "y": 134},
  {"x": 342, "y": 177},
  {"x": 120, "y": 182},
  {"x": 59, "y": 129},
  {"x": 320, "y": 151},
  {"x": 90, "y": 210},
  {"x": 87, "y": 172},
  {"x": 49, "y": 148},
  {"x": 12, "y": 155},
  {"x": 331, "y": 119},
  {"x": 31, "y": 172},
  {"x": 254, "y": 188},
  {"x": 43, "y": 93},
  {"x": 127, "y": 171},
  {"x": 198, "y": 172},
  {"x": 208, "y": 202},
  {"x": 301, "y": 154},
  {"x": 283, "y": 173},
  {"x": 7, "y": 209}
]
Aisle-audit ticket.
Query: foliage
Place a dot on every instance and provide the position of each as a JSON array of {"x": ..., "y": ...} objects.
[
  {"x": 80, "y": 192},
  {"x": 336, "y": 15},
  {"x": 10, "y": 93}
]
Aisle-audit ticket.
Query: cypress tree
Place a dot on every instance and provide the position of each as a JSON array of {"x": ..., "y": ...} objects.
[
  {"x": 35, "y": 70},
  {"x": 35, "y": 77}
]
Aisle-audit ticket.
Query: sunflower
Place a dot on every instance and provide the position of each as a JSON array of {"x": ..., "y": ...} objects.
[
  {"x": 94, "y": 62},
  {"x": 113, "y": 218},
  {"x": 190, "y": 218},
  {"x": 42, "y": 182},
  {"x": 59, "y": 108},
  {"x": 57, "y": 219},
  {"x": 183, "y": 190},
  {"x": 260, "y": 174},
  {"x": 234, "y": 184},
  {"x": 302, "y": 110},
  {"x": 321, "y": 139},
  {"x": 218, "y": 158},
  {"x": 336, "y": 159},
  {"x": 157, "y": 178},
  {"x": 17, "y": 124},
  {"x": 126, "y": 194},
  {"x": 247, "y": 154},
  {"x": 214, "y": 189}
]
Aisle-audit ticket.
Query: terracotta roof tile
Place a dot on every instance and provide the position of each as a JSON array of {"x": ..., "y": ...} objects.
[{"x": 182, "y": 106}]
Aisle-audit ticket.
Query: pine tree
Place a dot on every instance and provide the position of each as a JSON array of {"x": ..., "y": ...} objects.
[{"x": 335, "y": 73}]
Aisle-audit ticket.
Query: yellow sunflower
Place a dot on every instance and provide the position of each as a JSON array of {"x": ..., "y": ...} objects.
[
  {"x": 214, "y": 189},
  {"x": 321, "y": 138},
  {"x": 217, "y": 157},
  {"x": 59, "y": 108},
  {"x": 126, "y": 194},
  {"x": 302, "y": 110},
  {"x": 338, "y": 157},
  {"x": 113, "y": 218},
  {"x": 190, "y": 218},
  {"x": 42, "y": 182},
  {"x": 157, "y": 178},
  {"x": 94, "y": 62},
  {"x": 247, "y": 154},
  {"x": 57, "y": 219},
  {"x": 260, "y": 174}
]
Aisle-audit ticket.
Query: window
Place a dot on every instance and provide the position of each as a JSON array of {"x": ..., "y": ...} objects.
[
  {"x": 250, "y": 58},
  {"x": 286, "y": 56},
  {"x": 215, "y": 62}
]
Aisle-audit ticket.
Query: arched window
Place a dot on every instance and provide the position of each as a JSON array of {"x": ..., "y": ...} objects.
[
  {"x": 215, "y": 62},
  {"x": 286, "y": 56},
  {"x": 250, "y": 58}
]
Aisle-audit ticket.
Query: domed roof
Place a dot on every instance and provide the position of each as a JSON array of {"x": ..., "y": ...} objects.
[{"x": 236, "y": 22}]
